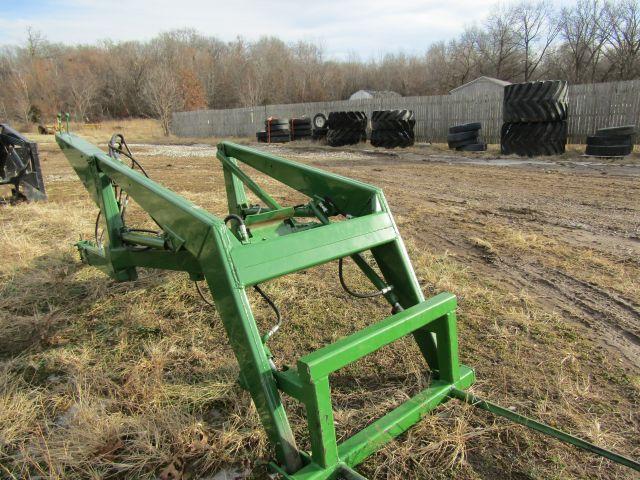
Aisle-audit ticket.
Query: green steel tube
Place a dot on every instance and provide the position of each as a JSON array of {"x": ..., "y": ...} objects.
[
  {"x": 471, "y": 399},
  {"x": 142, "y": 240}
]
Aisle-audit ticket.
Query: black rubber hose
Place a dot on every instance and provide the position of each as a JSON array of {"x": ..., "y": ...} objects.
[
  {"x": 201, "y": 293},
  {"x": 275, "y": 309},
  {"x": 346, "y": 288},
  {"x": 233, "y": 216}
]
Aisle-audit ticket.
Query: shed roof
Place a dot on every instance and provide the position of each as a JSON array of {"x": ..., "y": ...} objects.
[
  {"x": 497, "y": 81},
  {"x": 379, "y": 93}
]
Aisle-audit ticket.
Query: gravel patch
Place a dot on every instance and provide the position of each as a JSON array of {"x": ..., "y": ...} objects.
[{"x": 173, "y": 151}]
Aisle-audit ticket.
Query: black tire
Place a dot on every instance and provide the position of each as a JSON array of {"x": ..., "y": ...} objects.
[
  {"x": 609, "y": 150},
  {"x": 461, "y": 136},
  {"x": 392, "y": 128},
  {"x": 301, "y": 130},
  {"x": 533, "y": 139},
  {"x": 622, "y": 130},
  {"x": 278, "y": 127},
  {"x": 391, "y": 138},
  {"x": 276, "y": 121},
  {"x": 465, "y": 127},
  {"x": 544, "y": 101},
  {"x": 319, "y": 134},
  {"x": 279, "y": 133},
  {"x": 473, "y": 147},
  {"x": 339, "y": 120},
  {"x": 609, "y": 140},
  {"x": 263, "y": 136},
  {"x": 393, "y": 120},
  {"x": 462, "y": 143},
  {"x": 300, "y": 122},
  {"x": 338, "y": 137},
  {"x": 275, "y": 140},
  {"x": 319, "y": 121}
]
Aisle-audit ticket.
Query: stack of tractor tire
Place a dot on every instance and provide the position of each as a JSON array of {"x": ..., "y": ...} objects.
[
  {"x": 346, "y": 128},
  {"x": 611, "y": 141},
  {"x": 320, "y": 127},
  {"x": 276, "y": 130},
  {"x": 393, "y": 128},
  {"x": 300, "y": 128},
  {"x": 535, "y": 118},
  {"x": 466, "y": 137}
]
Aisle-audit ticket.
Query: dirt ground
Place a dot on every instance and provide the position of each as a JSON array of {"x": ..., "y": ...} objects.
[{"x": 543, "y": 254}]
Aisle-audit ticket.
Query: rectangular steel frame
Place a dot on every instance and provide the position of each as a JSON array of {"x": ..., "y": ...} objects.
[{"x": 283, "y": 240}]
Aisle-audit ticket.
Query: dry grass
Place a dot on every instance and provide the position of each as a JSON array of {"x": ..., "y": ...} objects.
[{"x": 136, "y": 380}]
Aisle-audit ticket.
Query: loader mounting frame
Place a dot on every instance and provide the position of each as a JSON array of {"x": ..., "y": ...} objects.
[{"x": 267, "y": 242}]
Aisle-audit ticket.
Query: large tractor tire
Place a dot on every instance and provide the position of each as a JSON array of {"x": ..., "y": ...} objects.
[
  {"x": 393, "y": 120},
  {"x": 319, "y": 133},
  {"x": 346, "y": 128},
  {"x": 533, "y": 139},
  {"x": 347, "y": 120},
  {"x": 392, "y": 128},
  {"x": 391, "y": 138},
  {"x": 344, "y": 136},
  {"x": 544, "y": 101}
]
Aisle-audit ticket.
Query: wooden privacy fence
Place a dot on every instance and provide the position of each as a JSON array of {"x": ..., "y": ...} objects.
[{"x": 591, "y": 106}]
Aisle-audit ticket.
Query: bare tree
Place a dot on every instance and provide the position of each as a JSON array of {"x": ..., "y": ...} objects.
[
  {"x": 84, "y": 89},
  {"x": 623, "y": 43},
  {"x": 590, "y": 40},
  {"x": 463, "y": 57},
  {"x": 535, "y": 30},
  {"x": 253, "y": 90},
  {"x": 498, "y": 44},
  {"x": 21, "y": 95},
  {"x": 585, "y": 30},
  {"x": 35, "y": 42},
  {"x": 3, "y": 111},
  {"x": 162, "y": 93}
]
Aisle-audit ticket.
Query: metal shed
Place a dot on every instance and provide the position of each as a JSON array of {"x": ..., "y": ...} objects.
[{"x": 480, "y": 85}]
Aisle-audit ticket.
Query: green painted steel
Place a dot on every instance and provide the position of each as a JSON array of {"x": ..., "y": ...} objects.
[
  {"x": 256, "y": 243},
  {"x": 542, "y": 428}
]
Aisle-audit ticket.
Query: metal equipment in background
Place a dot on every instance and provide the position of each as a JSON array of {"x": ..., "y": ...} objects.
[
  {"x": 257, "y": 243},
  {"x": 20, "y": 166}
]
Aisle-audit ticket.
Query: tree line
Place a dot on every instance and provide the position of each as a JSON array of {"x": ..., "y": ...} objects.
[{"x": 589, "y": 41}]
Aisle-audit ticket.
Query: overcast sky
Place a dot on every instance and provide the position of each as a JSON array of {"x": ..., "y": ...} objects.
[{"x": 366, "y": 28}]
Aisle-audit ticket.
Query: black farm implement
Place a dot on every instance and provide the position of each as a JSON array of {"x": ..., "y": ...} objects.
[{"x": 20, "y": 166}]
